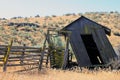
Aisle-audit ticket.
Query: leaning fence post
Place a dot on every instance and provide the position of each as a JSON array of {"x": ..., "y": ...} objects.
[
  {"x": 6, "y": 56},
  {"x": 41, "y": 60},
  {"x": 22, "y": 56}
]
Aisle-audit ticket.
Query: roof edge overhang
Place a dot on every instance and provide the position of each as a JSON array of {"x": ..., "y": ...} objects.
[{"x": 106, "y": 29}]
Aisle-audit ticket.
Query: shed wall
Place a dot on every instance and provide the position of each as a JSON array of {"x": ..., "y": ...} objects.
[{"x": 79, "y": 49}]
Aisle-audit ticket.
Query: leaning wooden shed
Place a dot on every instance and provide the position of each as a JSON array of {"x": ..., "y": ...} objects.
[{"x": 89, "y": 42}]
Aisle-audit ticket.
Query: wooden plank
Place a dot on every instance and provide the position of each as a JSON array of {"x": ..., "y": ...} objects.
[
  {"x": 79, "y": 49},
  {"x": 22, "y": 64},
  {"x": 11, "y": 65},
  {"x": 65, "y": 61},
  {"x": 22, "y": 56},
  {"x": 1, "y": 60},
  {"x": 26, "y": 56},
  {"x": 2, "y": 53},
  {"x": 13, "y": 60},
  {"x": 43, "y": 53},
  {"x": 19, "y": 47},
  {"x": 36, "y": 51},
  {"x": 41, "y": 60},
  {"x": 3, "y": 49},
  {"x": 47, "y": 60},
  {"x": 100, "y": 43},
  {"x": 110, "y": 53},
  {"x": 13, "y": 51},
  {"x": 106, "y": 51},
  {"x": 22, "y": 47},
  {"x": 5, "y": 59},
  {"x": 19, "y": 50}
]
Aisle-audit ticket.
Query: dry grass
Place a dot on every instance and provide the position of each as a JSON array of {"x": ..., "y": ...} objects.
[{"x": 52, "y": 74}]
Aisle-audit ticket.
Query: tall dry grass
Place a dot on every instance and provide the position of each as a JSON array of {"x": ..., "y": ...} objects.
[{"x": 52, "y": 74}]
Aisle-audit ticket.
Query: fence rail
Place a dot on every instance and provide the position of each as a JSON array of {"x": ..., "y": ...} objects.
[{"x": 23, "y": 55}]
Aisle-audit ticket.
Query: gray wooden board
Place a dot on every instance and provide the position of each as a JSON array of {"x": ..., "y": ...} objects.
[
  {"x": 110, "y": 53},
  {"x": 100, "y": 44},
  {"x": 79, "y": 50}
]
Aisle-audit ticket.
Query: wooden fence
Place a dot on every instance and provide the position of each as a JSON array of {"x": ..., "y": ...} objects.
[{"x": 23, "y": 55}]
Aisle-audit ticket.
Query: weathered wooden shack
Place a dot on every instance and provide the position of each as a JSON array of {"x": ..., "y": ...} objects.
[{"x": 89, "y": 42}]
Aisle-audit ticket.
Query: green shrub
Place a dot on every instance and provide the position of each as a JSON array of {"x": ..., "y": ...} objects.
[{"x": 57, "y": 56}]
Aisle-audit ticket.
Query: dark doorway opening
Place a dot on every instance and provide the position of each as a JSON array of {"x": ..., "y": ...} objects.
[{"x": 92, "y": 49}]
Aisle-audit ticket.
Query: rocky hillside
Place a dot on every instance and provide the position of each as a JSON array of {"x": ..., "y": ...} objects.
[{"x": 33, "y": 35}]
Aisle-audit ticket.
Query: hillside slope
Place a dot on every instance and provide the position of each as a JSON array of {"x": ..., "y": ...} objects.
[{"x": 32, "y": 36}]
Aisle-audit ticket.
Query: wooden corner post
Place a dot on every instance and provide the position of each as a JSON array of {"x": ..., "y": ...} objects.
[{"x": 66, "y": 53}]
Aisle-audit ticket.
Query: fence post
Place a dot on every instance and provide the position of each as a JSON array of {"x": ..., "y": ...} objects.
[
  {"x": 66, "y": 54},
  {"x": 43, "y": 51},
  {"x": 22, "y": 56},
  {"x": 6, "y": 56},
  {"x": 41, "y": 60}
]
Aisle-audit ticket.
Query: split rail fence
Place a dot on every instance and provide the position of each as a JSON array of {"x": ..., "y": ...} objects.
[{"x": 19, "y": 56}]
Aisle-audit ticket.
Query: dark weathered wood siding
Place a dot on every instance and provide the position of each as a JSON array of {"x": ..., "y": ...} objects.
[
  {"x": 79, "y": 49},
  {"x": 86, "y": 26}
]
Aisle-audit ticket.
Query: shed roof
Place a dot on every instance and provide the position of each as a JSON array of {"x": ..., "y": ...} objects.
[{"x": 80, "y": 20}]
